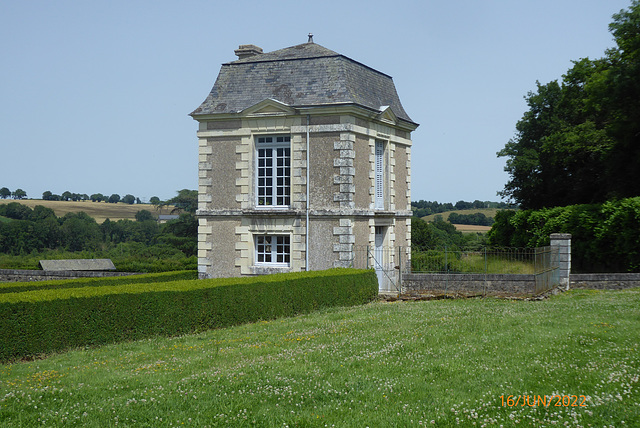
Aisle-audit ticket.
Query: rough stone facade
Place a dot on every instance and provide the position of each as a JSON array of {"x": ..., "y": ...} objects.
[
  {"x": 342, "y": 180},
  {"x": 341, "y": 194}
]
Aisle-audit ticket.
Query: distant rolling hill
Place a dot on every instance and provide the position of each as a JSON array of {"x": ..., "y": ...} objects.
[
  {"x": 489, "y": 212},
  {"x": 98, "y": 210}
]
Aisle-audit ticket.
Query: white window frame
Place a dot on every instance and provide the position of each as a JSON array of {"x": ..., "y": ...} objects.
[
  {"x": 272, "y": 250},
  {"x": 379, "y": 169},
  {"x": 273, "y": 171}
]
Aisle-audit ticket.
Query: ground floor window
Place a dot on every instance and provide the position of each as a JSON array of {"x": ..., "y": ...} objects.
[{"x": 273, "y": 249}]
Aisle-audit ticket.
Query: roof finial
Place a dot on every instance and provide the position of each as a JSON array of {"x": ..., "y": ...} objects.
[{"x": 310, "y": 38}]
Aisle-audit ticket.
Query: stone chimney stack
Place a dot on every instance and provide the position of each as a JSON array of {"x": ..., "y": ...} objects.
[{"x": 245, "y": 51}]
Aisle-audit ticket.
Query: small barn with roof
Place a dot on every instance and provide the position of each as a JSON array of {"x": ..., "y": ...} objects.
[{"x": 304, "y": 160}]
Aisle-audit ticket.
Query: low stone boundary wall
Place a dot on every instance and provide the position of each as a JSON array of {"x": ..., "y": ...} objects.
[
  {"x": 507, "y": 284},
  {"x": 469, "y": 284},
  {"x": 19, "y": 275},
  {"x": 608, "y": 281}
]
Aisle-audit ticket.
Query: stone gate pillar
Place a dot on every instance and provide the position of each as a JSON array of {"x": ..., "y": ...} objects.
[{"x": 563, "y": 242}]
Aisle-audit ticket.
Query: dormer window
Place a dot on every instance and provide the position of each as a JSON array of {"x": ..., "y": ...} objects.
[{"x": 273, "y": 175}]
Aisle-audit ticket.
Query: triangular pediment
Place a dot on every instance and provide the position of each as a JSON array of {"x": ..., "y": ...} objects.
[
  {"x": 387, "y": 115},
  {"x": 268, "y": 107}
]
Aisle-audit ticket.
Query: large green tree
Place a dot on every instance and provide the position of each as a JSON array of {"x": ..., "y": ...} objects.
[
  {"x": 186, "y": 200},
  {"x": 79, "y": 232},
  {"x": 579, "y": 142},
  {"x": 19, "y": 194},
  {"x": 129, "y": 199}
]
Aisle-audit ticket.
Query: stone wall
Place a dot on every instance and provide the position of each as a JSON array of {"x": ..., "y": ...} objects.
[
  {"x": 20, "y": 275},
  {"x": 469, "y": 284},
  {"x": 605, "y": 281},
  {"x": 516, "y": 285}
]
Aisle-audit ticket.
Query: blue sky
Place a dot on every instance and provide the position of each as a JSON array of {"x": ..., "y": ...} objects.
[{"x": 95, "y": 96}]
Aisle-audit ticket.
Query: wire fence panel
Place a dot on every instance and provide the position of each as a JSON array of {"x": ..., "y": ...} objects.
[
  {"x": 547, "y": 268},
  {"x": 462, "y": 272},
  {"x": 486, "y": 260},
  {"x": 386, "y": 261},
  {"x": 503, "y": 271}
]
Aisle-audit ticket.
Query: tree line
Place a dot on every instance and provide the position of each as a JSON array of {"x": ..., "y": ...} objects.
[
  {"x": 477, "y": 219},
  {"x": 16, "y": 194},
  {"x": 114, "y": 198},
  {"x": 40, "y": 229}
]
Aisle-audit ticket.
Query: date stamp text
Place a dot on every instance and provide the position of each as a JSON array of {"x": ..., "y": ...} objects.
[{"x": 543, "y": 400}]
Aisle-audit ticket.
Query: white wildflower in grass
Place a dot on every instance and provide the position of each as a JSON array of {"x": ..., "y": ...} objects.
[{"x": 436, "y": 363}]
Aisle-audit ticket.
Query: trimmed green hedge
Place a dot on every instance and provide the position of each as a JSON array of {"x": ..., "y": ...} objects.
[
  {"x": 17, "y": 287},
  {"x": 43, "y": 321}
]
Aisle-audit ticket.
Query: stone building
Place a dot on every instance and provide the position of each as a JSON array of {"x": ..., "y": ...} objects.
[{"x": 304, "y": 162}]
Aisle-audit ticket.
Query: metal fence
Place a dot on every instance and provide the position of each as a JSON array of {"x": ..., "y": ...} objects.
[
  {"x": 391, "y": 263},
  {"x": 547, "y": 268},
  {"x": 485, "y": 260},
  {"x": 388, "y": 262}
]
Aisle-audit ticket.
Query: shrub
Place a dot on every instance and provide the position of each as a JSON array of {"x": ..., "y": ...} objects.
[
  {"x": 605, "y": 237},
  {"x": 433, "y": 261},
  {"x": 44, "y": 321}
]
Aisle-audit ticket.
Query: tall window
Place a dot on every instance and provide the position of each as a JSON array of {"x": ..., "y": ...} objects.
[
  {"x": 273, "y": 249},
  {"x": 379, "y": 176},
  {"x": 274, "y": 171}
]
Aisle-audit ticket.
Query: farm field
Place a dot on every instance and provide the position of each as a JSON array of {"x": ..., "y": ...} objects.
[
  {"x": 100, "y": 211},
  {"x": 470, "y": 228},
  {"x": 467, "y": 228},
  {"x": 482, "y": 362}
]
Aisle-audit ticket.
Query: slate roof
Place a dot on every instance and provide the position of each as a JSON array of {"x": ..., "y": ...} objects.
[
  {"x": 78, "y": 264},
  {"x": 300, "y": 76}
]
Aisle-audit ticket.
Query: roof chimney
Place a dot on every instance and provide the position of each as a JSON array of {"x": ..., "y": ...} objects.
[
  {"x": 310, "y": 38},
  {"x": 245, "y": 51}
]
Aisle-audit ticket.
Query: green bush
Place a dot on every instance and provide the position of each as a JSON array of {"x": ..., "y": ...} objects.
[
  {"x": 433, "y": 261},
  {"x": 43, "y": 321},
  {"x": 604, "y": 237}
]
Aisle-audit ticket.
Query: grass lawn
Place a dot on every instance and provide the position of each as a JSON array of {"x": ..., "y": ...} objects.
[{"x": 434, "y": 363}]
